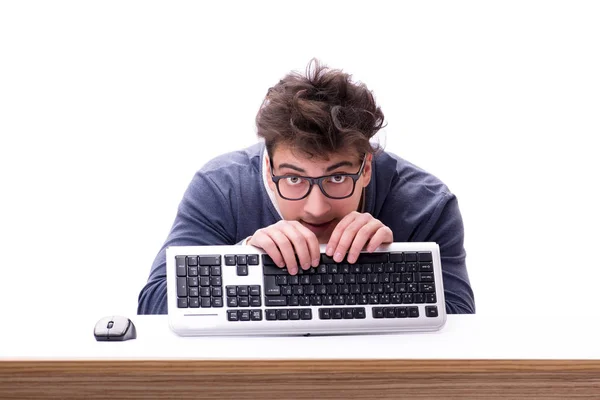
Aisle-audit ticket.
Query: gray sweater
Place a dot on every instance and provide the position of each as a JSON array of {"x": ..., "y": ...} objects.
[{"x": 227, "y": 201}]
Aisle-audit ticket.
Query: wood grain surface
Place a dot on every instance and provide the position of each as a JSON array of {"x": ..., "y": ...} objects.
[{"x": 301, "y": 379}]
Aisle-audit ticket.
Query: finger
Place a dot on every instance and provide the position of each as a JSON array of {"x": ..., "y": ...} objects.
[
  {"x": 299, "y": 243},
  {"x": 360, "y": 239},
  {"x": 349, "y": 234},
  {"x": 285, "y": 248},
  {"x": 312, "y": 243},
  {"x": 383, "y": 235},
  {"x": 337, "y": 233},
  {"x": 262, "y": 240}
]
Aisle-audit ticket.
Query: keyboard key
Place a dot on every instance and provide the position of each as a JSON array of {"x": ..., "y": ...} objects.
[
  {"x": 244, "y": 315},
  {"x": 255, "y": 290},
  {"x": 215, "y": 270},
  {"x": 413, "y": 312},
  {"x": 336, "y": 313},
  {"x": 410, "y": 257},
  {"x": 256, "y": 315},
  {"x": 242, "y": 259},
  {"x": 180, "y": 265},
  {"x": 252, "y": 259},
  {"x": 282, "y": 315},
  {"x": 431, "y": 311},
  {"x": 396, "y": 258},
  {"x": 389, "y": 312},
  {"x": 275, "y": 301},
  {"x": 359, "y": 313},
  {"x": 242, "y": 270},
  {"x": 271, "y": 315},
  {"x": 348, "y": 314},
  {"x": 193, "y": 292},
  {"x": 182, "y": 287},
  {"x": 294, "y": 314},
  {"x": 216, "y": 301},
  {"x": 324, "y": 313},
  {"x": 182, "y": 302},
  {"x": 232, "y": 315},
  {"x": 243, "y": 301},
  {"x": 306, "y": 313},
  {"x": 193, "y": 302},
  {"x": 372, "y": 258},
  {"x": 425, "y": 257},
  {"x": 192, "y": 261},
  {"x": 229, "y": 259},
  {"x": 210, "y": 260}
]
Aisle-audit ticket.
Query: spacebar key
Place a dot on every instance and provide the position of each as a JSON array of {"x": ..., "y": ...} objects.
[{"x": 275, "y": 301}]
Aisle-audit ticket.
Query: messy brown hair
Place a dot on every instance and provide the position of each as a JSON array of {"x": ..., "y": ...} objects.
[{"x": 320, "y": 113}]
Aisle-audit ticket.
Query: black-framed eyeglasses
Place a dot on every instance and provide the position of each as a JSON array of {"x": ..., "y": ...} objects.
[{"x": 336, "y": 186}]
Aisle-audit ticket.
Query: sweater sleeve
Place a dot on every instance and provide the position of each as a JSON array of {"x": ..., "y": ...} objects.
[
  {"x": 445, "y": 227},
  {"x": 204, "y": 217}
]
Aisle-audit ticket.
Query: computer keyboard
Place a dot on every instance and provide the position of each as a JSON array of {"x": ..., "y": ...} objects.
[{"x": 238, "y": 290}]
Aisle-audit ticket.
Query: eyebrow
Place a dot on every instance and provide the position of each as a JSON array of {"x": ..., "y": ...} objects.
[{"x": 329, "y": 169}]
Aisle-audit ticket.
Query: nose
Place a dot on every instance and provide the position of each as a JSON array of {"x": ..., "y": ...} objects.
[{"x": 316, "y": 203}]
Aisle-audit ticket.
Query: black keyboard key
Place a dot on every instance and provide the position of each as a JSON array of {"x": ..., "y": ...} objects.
[
  {"x": 274, "y": 270},
  {"x": 271, "y": 315},
  {"x": 182, "y": 302},
  {"x": 243, "y": 301},
  {"x": 347, "y": 313},
  {"x": 377, "y": 312},
  {"x": 232, "y": 302},
  {"x": 255, "y": 290},
  {"x": 215, "y": 281},
  {"x": 371, "y": 258},
  {"x": 389, "y": 312},
  {"x": 242, "y": 270},
  {"x": 255, "y": 301},
  {"x": 336, "y": 313},
  {"x": 276, "y": 301},
  {"x": 180, "y": 265},
  {"x": 426, "y": 267},
  {"x": 396, "y": 258},
  {"x": 204, "y": 271},
  {"x": 182, "y": 287},
  {"x": 242, "y": 290},
  {"x": 294, "y": 314},
  {"x": 252, "y": 259},
  {"x": 210, "y": 260},
  {"x": 410, "y": 257},
  {"x": 244, "y": 315},
  {"x": 324, "y": 313},
  {"x": 430, "y": 298},
  {"x": 192, "y": 271},
  {"x": 232, "y": 315},
  {"x": 267, "y": 260},
  {"x": 306, "y": 313},
  {"x": 193, "y": 292},
  {"x": 413, "y": 312},
  {"x": 256, "y": 315},
  {"x": 282, "y": 315},
  {"x": 425, "y": 257},
  {"x": 215, "y": 270},
  {"x": 193, "y": 302},
  {"x": 217, "y": 301},
  {"x": 229, "y": 259},
  {"x": 431, "y": 311},
  {"x": 271, "y": 287},
  {"x": 205, "y": 302},
  {"x": 205, "y": 291},
  {"x": 231, "y": 290},
  {"x": 401, "y": 312},
  {"x": 217, "y": 291},
  {"x": 192, "y": 281},
  {"x": 192, "y": 261},
  {"x": 359, "y": 313},
  {"x": 426, "y": 287},
  {"x": 242, "y": 259}
]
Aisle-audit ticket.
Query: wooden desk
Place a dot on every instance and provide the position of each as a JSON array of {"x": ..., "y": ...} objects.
[{"x": 160, "y": 364}]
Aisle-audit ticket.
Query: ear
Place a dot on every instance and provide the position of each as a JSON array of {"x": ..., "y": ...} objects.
[{"x": 367, "y": 170}]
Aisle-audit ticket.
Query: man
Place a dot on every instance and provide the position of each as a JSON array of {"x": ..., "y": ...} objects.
[{"x": 317, "y": 179}]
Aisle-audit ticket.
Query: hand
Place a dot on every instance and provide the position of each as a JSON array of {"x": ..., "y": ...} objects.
[
  {"x": 352, "y": 233},
  {"x": 283, "y": 240}
]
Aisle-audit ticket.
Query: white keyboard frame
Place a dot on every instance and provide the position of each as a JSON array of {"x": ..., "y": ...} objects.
[{"x": 213, "y": 321}]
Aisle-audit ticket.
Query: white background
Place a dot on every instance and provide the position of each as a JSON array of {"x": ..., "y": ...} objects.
[{"x": 108, "y": 108}]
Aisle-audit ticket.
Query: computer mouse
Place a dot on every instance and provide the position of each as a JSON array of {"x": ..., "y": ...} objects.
[{"x": 115, "y": 328}]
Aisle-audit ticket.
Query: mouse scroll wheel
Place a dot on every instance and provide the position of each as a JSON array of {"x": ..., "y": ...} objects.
[{"x": 110, "y": 324}]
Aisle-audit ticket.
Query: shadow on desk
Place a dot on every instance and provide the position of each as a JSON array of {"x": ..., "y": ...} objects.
[{"x": 301, "y": 379}]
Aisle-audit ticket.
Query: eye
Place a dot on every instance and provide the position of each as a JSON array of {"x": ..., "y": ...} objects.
[
  {"x": 293, "y": 180},
  {"x": 338, "y": 178}
]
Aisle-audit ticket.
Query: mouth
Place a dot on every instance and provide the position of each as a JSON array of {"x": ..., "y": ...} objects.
[{"x": 317, "y": 228}]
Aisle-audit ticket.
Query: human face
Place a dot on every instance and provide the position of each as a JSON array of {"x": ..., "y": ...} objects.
[{"x": 316, "y": 211}]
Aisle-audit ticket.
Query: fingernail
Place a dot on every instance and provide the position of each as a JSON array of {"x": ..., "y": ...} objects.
[
  {"x": 281, "y": 265},
  {"x": 338, "y": 257},
  {"x": 306, "y": 266},
  {"x": 316, "y": 262}
]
